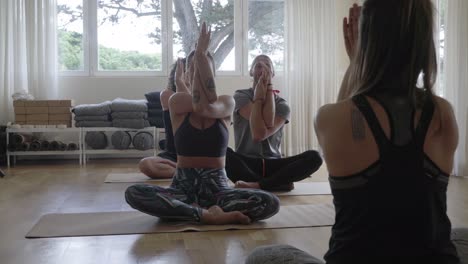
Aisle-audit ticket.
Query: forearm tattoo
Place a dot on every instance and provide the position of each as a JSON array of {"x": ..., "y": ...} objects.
[
  {"x": 358, "y": 125},
  {"x": 196, "y": 96},
  {"x": 210, "y": 85}
]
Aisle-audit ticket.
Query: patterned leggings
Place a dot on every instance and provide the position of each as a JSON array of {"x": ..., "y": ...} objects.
[{"x": 202, "y": 187}]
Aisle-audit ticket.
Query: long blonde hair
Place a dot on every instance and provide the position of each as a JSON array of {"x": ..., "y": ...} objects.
[{"x": 395, "y": 46}]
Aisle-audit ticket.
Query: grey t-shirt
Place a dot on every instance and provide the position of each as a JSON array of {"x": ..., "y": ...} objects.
[{"x": 268, "y": 148}]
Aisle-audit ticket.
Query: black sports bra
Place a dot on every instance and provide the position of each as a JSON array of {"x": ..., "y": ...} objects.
[{"x": 193, "y": 142}]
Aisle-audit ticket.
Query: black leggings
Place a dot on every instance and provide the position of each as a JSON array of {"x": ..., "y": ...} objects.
[{"x": 277, "y": 171}]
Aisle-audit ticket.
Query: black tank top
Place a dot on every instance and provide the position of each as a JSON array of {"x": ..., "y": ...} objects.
[
  {"x": 395, "y": 209},
  {"x": 170, "y": 147},
  {"x": 193, "y": 142}
]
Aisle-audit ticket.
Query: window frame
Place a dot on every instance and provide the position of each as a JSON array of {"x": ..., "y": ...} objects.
[{"x": 90, "y": 43}]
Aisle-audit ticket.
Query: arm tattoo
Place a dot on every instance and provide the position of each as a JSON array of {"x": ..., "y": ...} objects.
[
  {"x": 196, "y": 97},
  {"x": 210, "y": 84},
  {"x": 358, "y": 125}
]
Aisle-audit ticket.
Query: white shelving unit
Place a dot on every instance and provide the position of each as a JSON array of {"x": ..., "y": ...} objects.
[
  {"x": 14, "y": 154},
  {"x": 86, "y": 152},
  {"x": 83, "y": 152}
]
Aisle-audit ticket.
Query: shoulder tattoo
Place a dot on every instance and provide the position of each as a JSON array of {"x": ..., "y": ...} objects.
[
  {"x": 210, "y": 84},
  {"x": 196, "y": 96},
  {"x": 358, "y": 125}
]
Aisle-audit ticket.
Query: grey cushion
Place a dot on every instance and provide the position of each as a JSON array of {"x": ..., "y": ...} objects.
[
  {"x": 280, "y": 254},
  {"x": 130, "y": 123},
  {"x": 96, "y": 139},
  {"x": 143, "y": 141},
  {"x": 129, "y": 115},
  {"x": 92, "y": 109},
  {"x": 125, "y": 105},
  {"x": 92, "y": 118},
  {"x": 121, "y": 140},
  {"x": 93, "y": 124}
]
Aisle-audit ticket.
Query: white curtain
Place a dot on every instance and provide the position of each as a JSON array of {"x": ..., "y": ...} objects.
[
  {"x": 311, "y": 68},
  {"x": 28, "y": 49},
  {"x": 456, "y": 75}
]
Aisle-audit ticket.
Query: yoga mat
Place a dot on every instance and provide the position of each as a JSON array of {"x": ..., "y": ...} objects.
[
  {"x": 307, "y": 188},
  {"x": 134, "y": 222},
  {"x": 300, "y": 188},
  {"x": 131, "y": 178}
]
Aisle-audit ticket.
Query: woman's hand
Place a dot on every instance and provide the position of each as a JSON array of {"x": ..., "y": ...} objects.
[
  {"x": 351, "y": 30},
  {"x": 204, "y": 40}
]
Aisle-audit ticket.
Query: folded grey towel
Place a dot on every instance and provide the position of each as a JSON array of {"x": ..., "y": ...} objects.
[
  {"x": 129, "y": 115},
  {"x": 92, "y": 109},
  {"x": 96, "y": 139},
  {"x": 130, "y": 123},
  {"x": 92, "y": 118},
  {"x": 121, "y": 140},
  {"x": 93, "y": 124},
  {"x": 143, "y": 141},
  {"x": 124, "y": 105}
]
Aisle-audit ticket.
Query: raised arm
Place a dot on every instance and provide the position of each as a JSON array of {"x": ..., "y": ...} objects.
[
  {"x": 351, "y": 36},
  {"x": 204, "y": 88},
  {"x": 269, "y": 107},
  {"x": 205, "y": 100},
  {"x": 180, "y": 78}
]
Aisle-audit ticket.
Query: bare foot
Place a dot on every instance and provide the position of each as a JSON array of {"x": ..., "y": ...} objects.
[
  {"x": 216, "y": 216},
  {"x": 251, "y": 185}
]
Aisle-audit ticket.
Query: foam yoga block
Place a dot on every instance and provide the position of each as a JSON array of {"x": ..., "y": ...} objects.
[
  {"x": 143, "y": 141},
  {"x": 96, "y": 140},
  {"x": 121, "y": 140}
]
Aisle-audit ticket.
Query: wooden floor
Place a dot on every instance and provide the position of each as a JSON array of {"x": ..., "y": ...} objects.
[{"x": 31, "y": 190}]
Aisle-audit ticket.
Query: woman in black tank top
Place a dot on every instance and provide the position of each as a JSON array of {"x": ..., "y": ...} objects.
[
  {"x": 199, "y": 191},
  {"x": 391, "y": 154}
]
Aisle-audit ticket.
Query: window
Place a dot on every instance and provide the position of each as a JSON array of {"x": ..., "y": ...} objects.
[
  {"x": 219, "y": 15},
  {"x": 266, "y": 31},
  {"x": 129, "y": 35},
  {"x": 70, "y": 35},
  {"x": 132, "y": 37}
]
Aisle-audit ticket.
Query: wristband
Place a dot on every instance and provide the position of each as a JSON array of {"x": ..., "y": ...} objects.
[{"x": 273, "y": 91}]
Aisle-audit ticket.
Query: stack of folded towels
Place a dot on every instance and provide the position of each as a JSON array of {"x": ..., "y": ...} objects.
[
  {"x": 93, "y": 115},
  {"x": 129, "y": 113},
  {"x": 155, "y": 112}
]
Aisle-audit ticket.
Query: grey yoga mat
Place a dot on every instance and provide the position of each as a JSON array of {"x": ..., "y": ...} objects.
[{"x": 134, "y": 222}]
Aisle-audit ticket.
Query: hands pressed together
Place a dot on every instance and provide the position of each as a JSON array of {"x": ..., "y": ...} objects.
[
  {"x": 263, "y": 84},
  {"x": 351, "y": 30}
]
